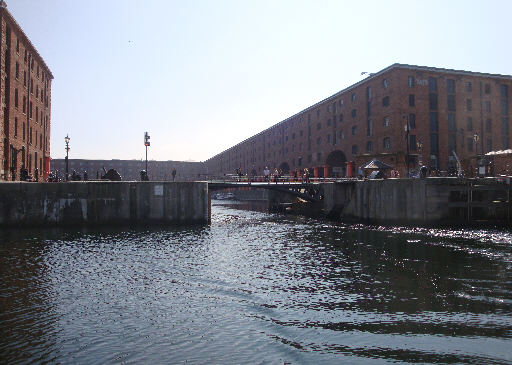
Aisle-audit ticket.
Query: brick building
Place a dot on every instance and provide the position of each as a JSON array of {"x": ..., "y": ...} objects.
[
  {"x": 130, "y": 169},
  {"x": 432, "y": 111},
  {"x": 25, "y": 92}
]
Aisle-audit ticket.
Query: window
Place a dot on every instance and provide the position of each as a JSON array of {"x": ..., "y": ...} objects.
[
  {"x": 30, "y": 109},
  {"x": 37, "y": 114},
  {"x": 293, "y": 135},
  {"x": 25, "y": 58},
  {"x": 318, "y": 156},
  {"x": 504, "y": 91},
  {"x": 450, "y": 86},
  {"x": 319, "y": 140},
  {"x": 353, "y": 97},
  {"x": 369, "y": 128},
  {"x": 341, "y": 118},
  {"x": 342, "y": 135},
  {"x": 385, "y": 101},
  {"x": 434, "y": 143},
  {"x": 24, "y": 104},
  {"x": 385, "y": 83},
  {"x": 25, "y": 78},
  {"x": 319, "y": 126},
  {"x": 15, "y": 98},
  {"x": 354, "y": 113},
  {"x": 15, "y": 127},
  {"x": 488, "y": 106},
  {"x": 369, "y": 92},
  {"x": 488, "y": 125},
  {"x": 37, "y": 91},
  {"x": 433, "y": 121},
  {"x": 354, "y": 149},
  {"x": 451, "y": 122},
  {"x": 318, "y": 113},
  {"x": 386, "y": 121},
  {"x": 386, "y": 143},
  {"x": 432, "y": 101},
  {"x": 328, "y": 108},
  {"x": 369, "y": 146},
  {"x": 469, "y": 124},
  {"x": 432, "y": 84},
  {"x": 354, "y": 130},
  {"x": 329, "y": 123},
  {"x": 31, "y": 85},
  {"x": 452, "y": 144},
  {"x": 328, "y": 138},
  {"x": 470, "y": 144},
  {"x": 489, "y": 145},
  {"x": 411, "y": 99},
  {"x": 17, "y": 70},
  {"x": 469, "y": 87},
  {"x": 469, "y": 105},
  {"x": 410, "y": 81},
  {"x": 301, "y": 133},
  {"x": 412, "y": 142},
  {"x": 412, "y": 121},
  {"x": 487, "y": 88},
  {"x": 451, "y": 103},
  {"x": 17, "y": 45},
  {"x": 310, "y": 158}
]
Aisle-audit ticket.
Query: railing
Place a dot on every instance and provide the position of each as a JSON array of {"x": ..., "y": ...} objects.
[{"x": 274, "y": 179}]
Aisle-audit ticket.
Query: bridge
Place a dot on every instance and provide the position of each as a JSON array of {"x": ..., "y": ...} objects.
[{"x": 309, "y": 191}]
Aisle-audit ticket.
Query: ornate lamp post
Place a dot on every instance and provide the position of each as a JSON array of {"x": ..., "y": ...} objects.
[
  {"x": 66, "y": 139},
  {"x": 419, "y": 144},
  {"x": 475, "y": 138},
  {"x": 407, "y": 130}
]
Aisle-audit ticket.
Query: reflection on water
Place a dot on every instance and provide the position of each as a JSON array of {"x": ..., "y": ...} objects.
[{"x": 256, "y": 288}]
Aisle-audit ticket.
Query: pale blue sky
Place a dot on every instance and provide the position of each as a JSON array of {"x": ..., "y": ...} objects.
[{"x": 201, "y": 76}]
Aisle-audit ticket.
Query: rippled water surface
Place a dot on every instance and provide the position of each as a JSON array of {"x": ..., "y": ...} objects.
[{"x": 256, "y": 288}]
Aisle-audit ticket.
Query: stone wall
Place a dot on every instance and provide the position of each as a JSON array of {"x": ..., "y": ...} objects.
[{"x": 32, "y": 204}]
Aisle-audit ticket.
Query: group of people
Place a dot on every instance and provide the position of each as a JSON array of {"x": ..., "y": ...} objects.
[{"x": 297, "y": 175}]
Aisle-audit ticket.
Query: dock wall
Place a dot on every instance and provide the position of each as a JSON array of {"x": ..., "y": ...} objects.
[
  {"x": 99, "y": 202},
  {"x": 431, "y": 201}
]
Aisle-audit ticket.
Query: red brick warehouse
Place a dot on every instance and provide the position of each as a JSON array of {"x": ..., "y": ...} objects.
[
  {"x": 445, "y": 110},
  {"x": 26, "y": 103}
]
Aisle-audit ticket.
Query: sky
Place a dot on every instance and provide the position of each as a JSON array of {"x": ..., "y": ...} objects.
[{"x": 203, "y": 75}]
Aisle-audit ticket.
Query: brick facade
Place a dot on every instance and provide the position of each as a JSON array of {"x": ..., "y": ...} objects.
[
  {"x": 444, "y": 109},
  {"x": 26, "y": 103}
]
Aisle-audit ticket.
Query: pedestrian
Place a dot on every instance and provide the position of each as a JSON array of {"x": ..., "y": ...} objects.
[
  {"x": 173, "y": 173},
  {"x": 266, "y": 173},
  {"x": 86, "y": 177},
  {"x": 36, "y": 173}
]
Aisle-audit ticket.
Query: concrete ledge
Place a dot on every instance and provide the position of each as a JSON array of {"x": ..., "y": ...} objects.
[{"x": 103, "y": 202}]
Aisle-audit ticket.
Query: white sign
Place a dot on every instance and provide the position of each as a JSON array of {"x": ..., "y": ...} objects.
[{"x": 159, "y": 190}]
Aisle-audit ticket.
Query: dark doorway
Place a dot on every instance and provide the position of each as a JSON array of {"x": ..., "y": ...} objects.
[
  {"x": 285, "y": 167},
  {"x": 337, "y": 163}
]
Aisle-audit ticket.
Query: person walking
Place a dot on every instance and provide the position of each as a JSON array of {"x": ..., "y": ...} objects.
[{"x": 173, "y": 173}]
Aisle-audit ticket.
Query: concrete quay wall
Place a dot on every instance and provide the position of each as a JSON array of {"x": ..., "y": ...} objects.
[
  {"x": 431, "y": 201},
  {"x": 103, "y": 202}
]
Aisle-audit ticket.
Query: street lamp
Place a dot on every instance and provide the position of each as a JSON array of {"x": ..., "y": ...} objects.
[
  {"x": 66, "y": 139},
  {"x": 419, "y": 144},
  {"x": 407, "y": 129},
  {"x": 147, "y": 144},
  {"x": 475, "y": 138}
]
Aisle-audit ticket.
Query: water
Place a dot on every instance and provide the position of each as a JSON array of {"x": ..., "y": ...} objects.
[{"x": 256, "y": 288}]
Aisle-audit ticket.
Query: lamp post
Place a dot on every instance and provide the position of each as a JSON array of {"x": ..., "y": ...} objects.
[
  {"x": 146, "y": 143},
  {"x": 419, "y": 144},
  {"x": 66, "y": 139},
  {"x": 406, "y": 129},
  {"x": 475, "y": 138}
]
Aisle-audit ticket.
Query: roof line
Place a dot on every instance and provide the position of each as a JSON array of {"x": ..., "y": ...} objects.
[
  {"x": 3, "y": 9},
  {"x": 366, "y": 79}
]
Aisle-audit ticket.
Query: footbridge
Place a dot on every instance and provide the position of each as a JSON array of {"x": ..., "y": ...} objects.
[{"x": 309, "y": 191}]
